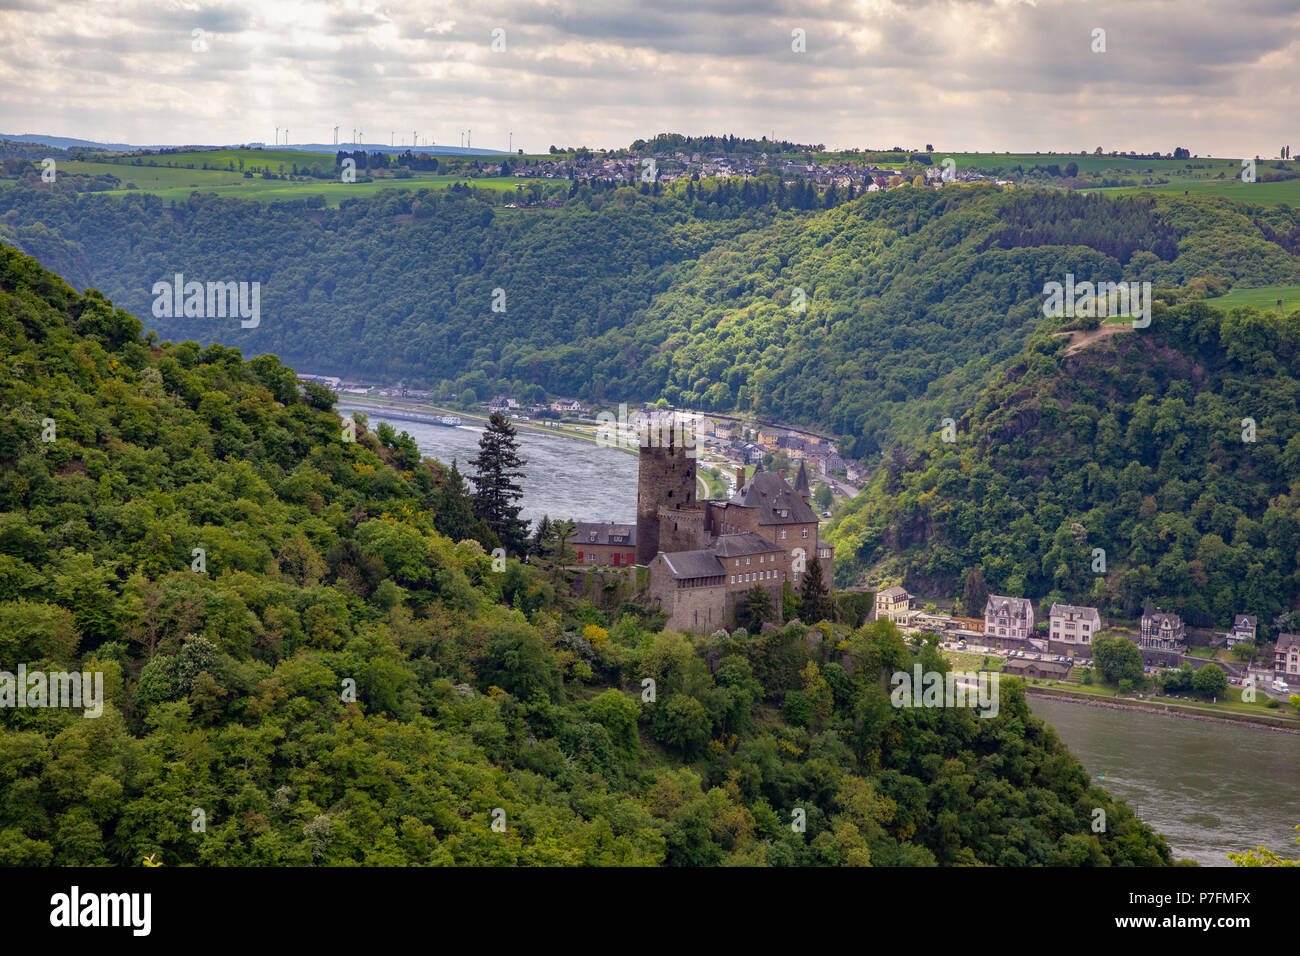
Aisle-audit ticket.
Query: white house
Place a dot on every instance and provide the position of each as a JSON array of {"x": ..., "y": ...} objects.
[{"x": 1071, "y": 629}]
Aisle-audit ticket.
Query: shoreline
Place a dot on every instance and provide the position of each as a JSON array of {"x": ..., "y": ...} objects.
[
  {"x": 1113, "y": 703},
  {"x": 395, "y": 409}
]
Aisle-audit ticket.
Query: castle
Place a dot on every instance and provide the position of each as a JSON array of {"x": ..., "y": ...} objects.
[{"x": 704, "y": 556}]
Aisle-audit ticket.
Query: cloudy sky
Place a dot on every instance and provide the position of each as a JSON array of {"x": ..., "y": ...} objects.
[{"x": 1217, "y": 77}]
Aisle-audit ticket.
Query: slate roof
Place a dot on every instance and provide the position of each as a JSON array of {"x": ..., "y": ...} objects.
[
  {"x": 1013, "y": 606},
  {"x": 1284, "y": 641},
  {"x": 597, "y": 532},
  {"x": 894, "y": 592},
  {"x": 1065, "y": 610},
  {"x": 769, "y": 493},
  {"x": 703, "y": 563},
  {"x": 739, "y": 545},
  {"x": 1043, "y": 667}
]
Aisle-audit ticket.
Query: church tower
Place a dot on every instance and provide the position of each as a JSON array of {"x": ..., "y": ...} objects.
[{"x": 666, "y": 484}]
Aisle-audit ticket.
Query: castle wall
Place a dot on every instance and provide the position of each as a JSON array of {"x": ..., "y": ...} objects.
[
  {"x": 697, "y": 607},
  {"x": 681, "y": 530},
  {"x": 790, "y": 537}
]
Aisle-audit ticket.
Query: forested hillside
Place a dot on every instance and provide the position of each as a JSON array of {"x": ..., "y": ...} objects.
[
  {"x": 912, "y": 299},
  {"x": 1174, "y": 449},
  {"x": 480, "y": 696}
]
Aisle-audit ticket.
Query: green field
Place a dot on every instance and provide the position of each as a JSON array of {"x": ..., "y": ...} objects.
[
  {"x": 1263, "y": 194},
  {"x": 1265, "y": 298},
  {"x": 176, "y": 175}
]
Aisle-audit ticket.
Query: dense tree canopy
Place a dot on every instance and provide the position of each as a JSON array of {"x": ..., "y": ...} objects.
[{"x": 337, "y": 681}]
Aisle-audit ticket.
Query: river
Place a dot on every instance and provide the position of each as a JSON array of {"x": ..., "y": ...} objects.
[
  {"x": 564, "y": 477},
  {"x": 1207, "y": 787}
]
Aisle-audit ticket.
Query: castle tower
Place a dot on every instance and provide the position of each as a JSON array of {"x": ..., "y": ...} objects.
[
  {"x": 666, "y": 483},
  {"x": 801, "y": 484}
]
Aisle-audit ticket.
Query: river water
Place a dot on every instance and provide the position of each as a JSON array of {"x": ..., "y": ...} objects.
[
  {"x": 1210, "y": 788},
  {"x": 1207, "y": 787},
  {"x": 564, "y": 477}
]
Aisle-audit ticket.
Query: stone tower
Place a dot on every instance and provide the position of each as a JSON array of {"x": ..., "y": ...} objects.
[{"x": 665, "y": 484}]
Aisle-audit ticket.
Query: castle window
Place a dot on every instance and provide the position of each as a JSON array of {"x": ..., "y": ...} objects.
[
  {"x": 805, "y": 532},
  {"x": 783, "y": 532}
]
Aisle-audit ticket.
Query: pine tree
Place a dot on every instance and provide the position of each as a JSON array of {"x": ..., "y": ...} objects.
[
  {"x": 974, "y": 593},
  {"x": 541, "y": 537},
  {"x": 754, "y": 609},
  {"x": 453, "y": 511},
  {"x": 496, "y": 467},
  {"x": 813, "y": 603}
]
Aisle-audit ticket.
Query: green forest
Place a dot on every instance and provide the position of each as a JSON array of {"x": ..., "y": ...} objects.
[
  {"x": 872, "y": 316},
  {"x": 306, "y": 664},
  {"x": 1173, "y": 450}
]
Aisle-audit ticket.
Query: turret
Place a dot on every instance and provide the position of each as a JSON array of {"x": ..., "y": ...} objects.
[{"x": 801, "y": 485}]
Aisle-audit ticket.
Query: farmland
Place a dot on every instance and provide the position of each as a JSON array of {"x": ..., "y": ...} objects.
[
  {"x": 176, "y": 175},
  {"x": 1264, "y": 298}
]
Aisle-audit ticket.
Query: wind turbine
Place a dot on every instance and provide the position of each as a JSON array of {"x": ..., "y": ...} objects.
[
  {"x": 336, "y": 135},
  {"x": 277, "y": 136}
]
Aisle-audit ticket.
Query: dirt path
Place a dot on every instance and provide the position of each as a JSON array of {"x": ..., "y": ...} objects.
[{"x": 1082, "y": 340}]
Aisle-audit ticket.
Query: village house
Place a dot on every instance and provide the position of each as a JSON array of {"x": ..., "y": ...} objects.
[
  {"x": 1286, "y": 658},
  {"x": 1162, "y": 637},
  {"x": 610, "y": 545},
  {"x": 894, "y": 604},
  {"x": 1050, "y": 670},
  {"x": 1008, "y": 617},
  {"x": 1243, "y": 630},
  {"x": 1071, "y": 630}
]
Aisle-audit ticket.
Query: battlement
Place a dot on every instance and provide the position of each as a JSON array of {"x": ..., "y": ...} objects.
[
  {"x": 694, "y": 516},
  {"x": 681, "y": 529}
]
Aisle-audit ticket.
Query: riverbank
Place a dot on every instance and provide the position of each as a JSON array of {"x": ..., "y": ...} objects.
[
  {"x": 1280, "y": 724},
  {"x": 395, "y": 410}
]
